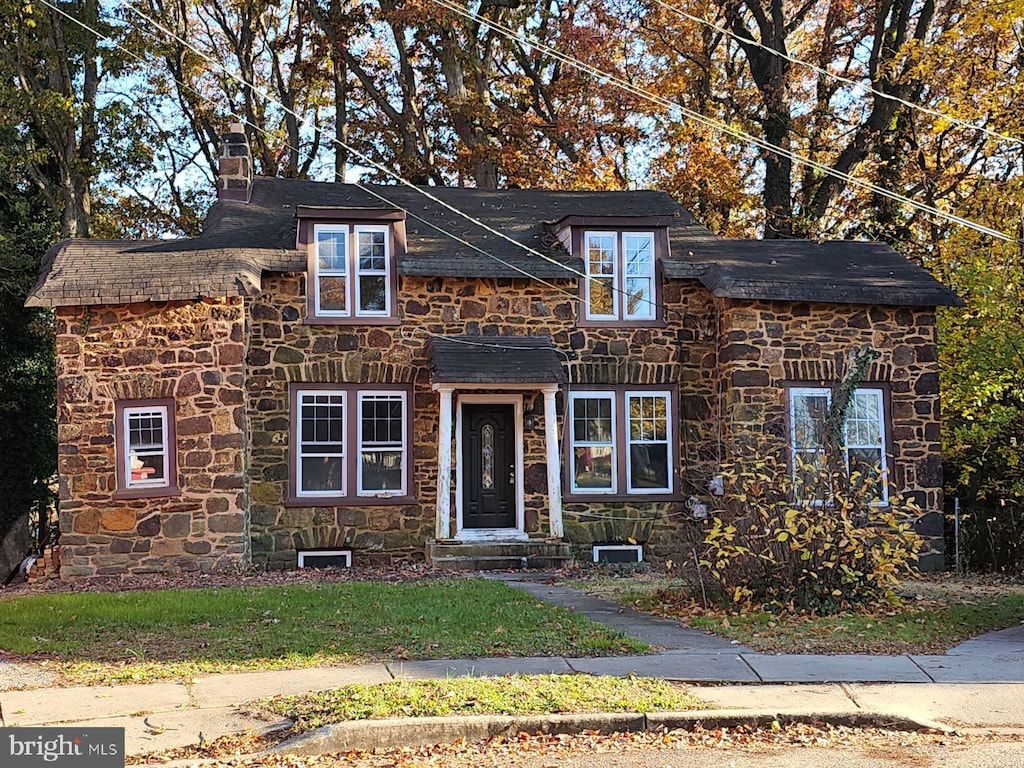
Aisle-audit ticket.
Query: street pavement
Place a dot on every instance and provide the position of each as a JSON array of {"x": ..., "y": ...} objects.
[{"x": 976, "y": 685}]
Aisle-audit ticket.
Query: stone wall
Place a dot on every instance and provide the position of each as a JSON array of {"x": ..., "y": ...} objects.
[
  {"x": 192, "y": 352},
  {"x": 284, "y": 350},
  {"x": 228, "y": 367},
  {"x": 766, "y": 345}
]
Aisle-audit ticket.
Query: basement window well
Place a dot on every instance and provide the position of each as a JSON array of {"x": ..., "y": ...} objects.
[
  {"x": 325, "y": 558},
  {"x": 618, "y": 553}
]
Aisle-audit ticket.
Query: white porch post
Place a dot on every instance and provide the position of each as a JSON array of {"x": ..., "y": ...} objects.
[
  {"x": 442, "y": 520},
  {"x": 554, "y": 475}
]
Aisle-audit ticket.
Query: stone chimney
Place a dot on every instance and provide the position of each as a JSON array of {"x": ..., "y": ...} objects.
[{"x": 234, "y": 177}]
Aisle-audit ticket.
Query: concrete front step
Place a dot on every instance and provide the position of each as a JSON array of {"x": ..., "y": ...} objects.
[{"x": 497, "y": 556}]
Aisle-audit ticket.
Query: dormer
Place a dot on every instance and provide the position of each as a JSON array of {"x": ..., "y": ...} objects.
[
  {"x": 351, "y": 277},
  {"x": 622, "y": 257}
]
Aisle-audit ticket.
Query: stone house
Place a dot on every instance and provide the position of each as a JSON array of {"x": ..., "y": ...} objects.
[{"x": 456, "y": 374}]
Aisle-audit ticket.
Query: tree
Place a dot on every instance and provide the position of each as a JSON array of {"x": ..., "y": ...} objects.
[
  {"x": 829, "y": 82},
  {"x": 55, "y": 72},
  {"x": 27, "y": 378}
]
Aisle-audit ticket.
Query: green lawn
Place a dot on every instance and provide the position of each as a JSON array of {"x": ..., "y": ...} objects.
[
  {"x": 173, "y": 634},
  {"x": 511, "y": 695},
  {"x": 938, "y": 614},
  {"x": 908, "y": 630}
]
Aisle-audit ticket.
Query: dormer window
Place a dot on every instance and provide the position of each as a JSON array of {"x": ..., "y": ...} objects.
[
  {"x": 351, "y": 264},
  {"x": 620, "y": 276},
  {"x": 352, "y": 268}
]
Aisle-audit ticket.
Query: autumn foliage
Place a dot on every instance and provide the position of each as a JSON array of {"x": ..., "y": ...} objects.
[{"x": 763, "y": 547}]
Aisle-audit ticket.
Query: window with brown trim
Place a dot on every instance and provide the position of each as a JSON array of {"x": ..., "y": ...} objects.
[
  {"x": 620, "y": 277},
  {"x": 145, "y": 448},
  {"x": 350, "y": 444},
  {"x": 351, "y": 272},
  {"x": 622, "y": 442},
  {"x": 865, "y": 438}
]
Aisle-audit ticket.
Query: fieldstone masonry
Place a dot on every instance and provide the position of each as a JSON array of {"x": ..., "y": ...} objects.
[
  {"x": 284, "y": 350},
  {"x": 192, "y": 352},
  {"x": 766, "y": 345},
  {"x": 228, "y": 365}
]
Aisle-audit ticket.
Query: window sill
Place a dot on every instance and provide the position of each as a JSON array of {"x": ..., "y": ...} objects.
[
  {"x": 656, "y": 323},
  {"x": 310, "y": 502},
  {"x": 166, "y": 491},
  {"x": 372, "y": 320},
  {"x": 645, "y": 498}
]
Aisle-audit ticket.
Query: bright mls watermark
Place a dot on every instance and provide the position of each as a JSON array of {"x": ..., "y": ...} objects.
[{"x": 62, "y": 747}]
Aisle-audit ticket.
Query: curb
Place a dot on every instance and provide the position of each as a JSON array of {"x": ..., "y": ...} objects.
[{"x": 422, "y": 731}]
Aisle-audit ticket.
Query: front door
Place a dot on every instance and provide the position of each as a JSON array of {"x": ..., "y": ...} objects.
[{"x": 488, "y": 466}]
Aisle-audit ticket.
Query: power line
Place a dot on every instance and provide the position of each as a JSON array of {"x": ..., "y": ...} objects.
[
  {"x": 402, "y": 180},
  {"x": 840, "y": 78},
  {"x": 602, "y": 76},
  {"x": 364, "y": 188},
  {"x": 718, "y": 125}
]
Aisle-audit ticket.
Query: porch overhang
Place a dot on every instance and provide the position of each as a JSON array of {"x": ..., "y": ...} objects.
[
  {"x": 507, "y": 363},
  {"x": 474, "y": 361}
]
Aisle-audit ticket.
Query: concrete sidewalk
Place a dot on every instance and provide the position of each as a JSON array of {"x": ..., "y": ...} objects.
[
  {"x": 690, "y": 655},
  {"x": 978, "y": 684},
  {"x": 162, "y": 716}
]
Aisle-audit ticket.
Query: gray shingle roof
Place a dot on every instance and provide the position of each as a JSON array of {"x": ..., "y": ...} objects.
[
  {"x": 241, "y": 240},
  {"x": 837, "y": 271},
  {"x": 494, "y": 360}
]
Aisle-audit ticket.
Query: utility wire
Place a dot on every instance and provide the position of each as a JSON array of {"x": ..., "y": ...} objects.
[
  {"x": 839, "y": 78},
  {"x": 106, "y": 38},
  {"x": 402, "y": 180},
  {"x": 363, "y": 187},
  {"x": 603, "y": 77},
  {"x": 718, "y": 125},
  {"x": 583, "y": 67}
]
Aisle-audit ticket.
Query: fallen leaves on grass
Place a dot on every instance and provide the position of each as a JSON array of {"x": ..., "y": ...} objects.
[{"x": 936, "y": 614}]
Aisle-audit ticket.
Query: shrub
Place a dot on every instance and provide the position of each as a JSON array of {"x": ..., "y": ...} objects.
[{"x": 762, "y": 547}]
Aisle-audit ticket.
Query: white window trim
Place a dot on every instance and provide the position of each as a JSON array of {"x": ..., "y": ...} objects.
[
  {"x": 573, "y": 443},
  {"x": 649, "y": 314},
  {"x": 592, "y": 276},
  {"x": 357, "y": 272},
  {"x": 301, "y": 453},
  {"x": 126, "y": 469},
  {"x": 339, "y": 229},
  {"x": 879, "y": 395},
  {"x": 620, "y": 311},
  {"x": 351, "y": 273},
  {"x": 621, "y": 441},
  {"x": 629, "y": 441},
  {"x": 403, "y": 448}
]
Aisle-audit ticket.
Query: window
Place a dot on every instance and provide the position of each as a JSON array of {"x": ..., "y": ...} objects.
[
  {"x": 145, "y": 445},
  {"x": 349, "y": 444},
  {"x": 351, "y": 271},
  {"x": 864, "y": 441},
  {"x": 381, "y": 442},
  {"x": 621, "y": 442},
  {"x": 620, "y": 276},
  {"x": 321, "y": 445}
]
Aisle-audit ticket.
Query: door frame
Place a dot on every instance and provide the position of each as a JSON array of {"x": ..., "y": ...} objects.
[{"x": 491, "y": 534}]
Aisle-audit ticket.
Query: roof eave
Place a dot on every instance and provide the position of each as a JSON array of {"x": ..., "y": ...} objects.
[{"x": 836, "y": 294}]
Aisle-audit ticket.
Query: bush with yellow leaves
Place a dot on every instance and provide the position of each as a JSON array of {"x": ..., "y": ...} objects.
[{"x": 821, "y": 543}]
